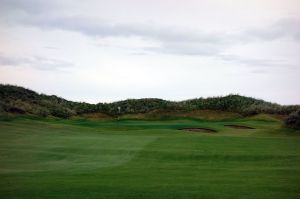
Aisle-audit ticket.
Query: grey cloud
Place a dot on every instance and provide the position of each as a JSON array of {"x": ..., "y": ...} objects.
[
  {"x": 179, "y": 41},
  {"x": 45, "y": 15},
  {"x": 287, "y": 27},
  {"x": 173, "y": 40},
  {"x": 10, "y": 61},
  {"x": 187, "y": 48},
  {"x": 28, "y": 6},
  {"x": 93, "y": 27},
  {"x": 256, "y": 62},
  {"x": 48, "y": 15},
  {"x": 37, "y": 62},
  {"x": 51, "y": 48}
]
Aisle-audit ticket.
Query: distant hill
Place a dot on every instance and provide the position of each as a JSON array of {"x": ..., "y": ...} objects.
[{"x": 19, "y": 100}]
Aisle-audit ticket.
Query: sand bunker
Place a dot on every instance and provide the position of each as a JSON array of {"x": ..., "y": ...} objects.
[
  {"x": 238, "y": 126},
  {"x": 199, "y": 130}
]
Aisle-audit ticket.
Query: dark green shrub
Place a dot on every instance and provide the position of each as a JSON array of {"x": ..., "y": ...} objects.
[
  {"x": 42, "y": 112},
  {"x": 293, "y": 120},
  {"x": 61, "y": 112}
]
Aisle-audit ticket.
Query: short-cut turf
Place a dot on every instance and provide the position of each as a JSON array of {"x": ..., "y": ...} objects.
[{"x": 148, "y": 159}]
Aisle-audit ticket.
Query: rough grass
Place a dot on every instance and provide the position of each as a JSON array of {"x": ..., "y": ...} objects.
[{"x": 54, "y": 158}]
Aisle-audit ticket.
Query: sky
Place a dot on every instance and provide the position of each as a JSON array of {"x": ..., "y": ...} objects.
[{"x": 104, "y": 51}]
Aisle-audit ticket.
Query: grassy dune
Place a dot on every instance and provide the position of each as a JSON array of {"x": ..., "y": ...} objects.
[{"x": 54, "y": 158}]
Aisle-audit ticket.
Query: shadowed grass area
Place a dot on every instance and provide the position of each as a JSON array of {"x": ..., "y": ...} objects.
[{"x": 55, "y": 158}]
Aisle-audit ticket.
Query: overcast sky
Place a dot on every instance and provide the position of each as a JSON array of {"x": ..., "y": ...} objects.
[{"x": 102, "y": 51}]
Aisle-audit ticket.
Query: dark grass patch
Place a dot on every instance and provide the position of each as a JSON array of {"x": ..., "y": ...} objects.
[
  {"x": 235, "y": 126},
  {"x": 199, "y": 130}
]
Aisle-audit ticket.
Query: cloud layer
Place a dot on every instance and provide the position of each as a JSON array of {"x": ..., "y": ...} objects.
[
  {"x": 171, "y": 40},
  {"x": 127, "y": 46},
  {"x": 36, "y": 62}
]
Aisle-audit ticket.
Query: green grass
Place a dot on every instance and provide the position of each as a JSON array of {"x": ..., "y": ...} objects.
[{"x": 54, "y": 158}]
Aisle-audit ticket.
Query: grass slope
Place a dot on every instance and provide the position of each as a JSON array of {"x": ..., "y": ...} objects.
[{"x": 55, "y": 158}]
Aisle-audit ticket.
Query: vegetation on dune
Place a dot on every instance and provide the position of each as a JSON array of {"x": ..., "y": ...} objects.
[
  {"x": 293, "y": 120},
  {"x": 14, "y": 99}
]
